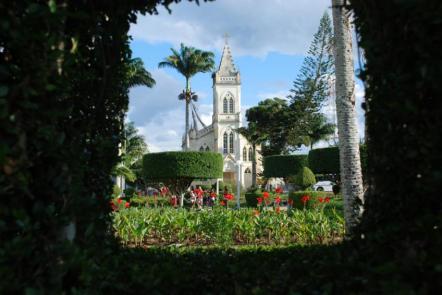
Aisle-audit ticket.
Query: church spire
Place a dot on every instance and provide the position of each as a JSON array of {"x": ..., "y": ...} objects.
[{"x": 226, "y": 67}]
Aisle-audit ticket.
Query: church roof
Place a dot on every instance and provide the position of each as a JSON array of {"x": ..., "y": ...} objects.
[{"x": 227, "y": 67}]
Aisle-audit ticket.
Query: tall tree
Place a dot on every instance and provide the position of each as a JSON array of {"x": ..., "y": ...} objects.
[
  {"x": 137, "y": 75},
  {"x": 255, "y": 137},
  {"x": 319, "y": 129},
  {"x": 132, "y": 150},
  {"x": 311, "y": 88},
  {"x": 188, "y": 61},
  {"x": 312, "y": 83},
  {"x": 271, "y": 118},
  {"x": 351, "y": 175}
]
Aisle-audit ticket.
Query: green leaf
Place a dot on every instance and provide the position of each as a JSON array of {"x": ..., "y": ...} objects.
[{"x": 4, "y": 90}]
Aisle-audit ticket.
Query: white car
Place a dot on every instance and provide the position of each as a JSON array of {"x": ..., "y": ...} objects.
[{"x": 324, "y": 186}]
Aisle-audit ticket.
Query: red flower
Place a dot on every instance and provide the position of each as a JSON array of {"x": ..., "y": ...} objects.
[
  {"x": 213, "y": 195},
  {"x": 259, "y": 201},
  {"x": 320, "y": 200},
  {"x": 120, "y": 201},
  {"x": 279, "y": 190},
  {"x": 278, "y": 209},
  {"x": 265, "y": 195},
  {"x": 304, "y": 199},
  {"x": 127, "y": 205},
  {"x": 229, "y": 197},
  {"x": 327, "y": 199},
  {"x": 277, "y": 200},
  {"x": 222, "y": 203}
]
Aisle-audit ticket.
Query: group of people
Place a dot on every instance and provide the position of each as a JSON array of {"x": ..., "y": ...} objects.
[{"x": 200, "y": 198}]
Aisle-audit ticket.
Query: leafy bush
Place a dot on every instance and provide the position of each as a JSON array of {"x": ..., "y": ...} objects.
[
  {"x": 326, "y": 160},
  {"x": 227, "y": 185},
  {"x": 305, "y": 178},
  {"x": 220, "y": 226},
  {"x": 283, "y": 165},
  {"x": 251, "y": 197},
  {"x": 177, "y": 170}
]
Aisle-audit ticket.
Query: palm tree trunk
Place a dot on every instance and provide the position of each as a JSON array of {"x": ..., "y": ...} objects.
[
  {"x": 350, "y": 164},
  {"x": 254, "y": 165},
  {"x": 187, "y": 98}
]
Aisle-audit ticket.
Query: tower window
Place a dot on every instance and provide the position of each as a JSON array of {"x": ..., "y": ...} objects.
[
  {"x": 207, "y": 149},
  {"x": 250, "y": 154},
  {"x": 231, "y": 106},
  {"x": 201, "y": 149},
  {"x": 225, "y": 143},
  {"x": 231, "y": 143},
  {"x": 225, "y": 110},
  {"x": 244, "y": 154}
]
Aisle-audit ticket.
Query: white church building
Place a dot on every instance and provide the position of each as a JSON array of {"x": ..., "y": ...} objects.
[{"x": 220, "y": 136}]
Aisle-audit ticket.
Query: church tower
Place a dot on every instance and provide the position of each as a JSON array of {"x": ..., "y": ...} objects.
[{"x": 227, "y": 112}]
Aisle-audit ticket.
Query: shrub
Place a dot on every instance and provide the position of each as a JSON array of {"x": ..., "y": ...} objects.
[
  {"x": 178, "y": 169},
  {"x": 305, "y": 178},
  {"x": 227, "y": 185},
  {"x": 251, "y": 196},
  {"x": 311, "y": 201},
  {"x": 283, "y": 165},
  {"x": 326, "y": 160}
]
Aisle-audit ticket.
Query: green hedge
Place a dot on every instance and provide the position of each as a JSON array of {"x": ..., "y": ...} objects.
[
  {"x": 170, "y": 165},
  {"x": 305, "y": 178},
  {"x": 313, "y": 198},
  {"x": 326, "y": 160},
  {"x": 284, "y": 165}
]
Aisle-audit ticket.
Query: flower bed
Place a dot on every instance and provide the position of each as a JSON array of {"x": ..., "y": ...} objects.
[{"x": 144, "y": 226}]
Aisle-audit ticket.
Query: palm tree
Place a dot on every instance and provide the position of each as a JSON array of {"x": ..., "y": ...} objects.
[
  {"x": 137, "y": 75},
  {"x": 351, "y": 176},
  {"x": 188, "y": 61},
  {"x": 132, "y": 150},
  {"x": 252, "y": 134}
]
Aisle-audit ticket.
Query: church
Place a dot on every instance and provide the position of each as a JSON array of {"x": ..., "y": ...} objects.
[{"x": 220, "y": 136}]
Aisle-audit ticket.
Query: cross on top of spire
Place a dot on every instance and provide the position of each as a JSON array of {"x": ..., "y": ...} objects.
[{"x": 226, "y": 38}]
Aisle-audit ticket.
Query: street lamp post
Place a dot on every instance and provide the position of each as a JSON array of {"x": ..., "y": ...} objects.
[{"x": 238, "y": 183}]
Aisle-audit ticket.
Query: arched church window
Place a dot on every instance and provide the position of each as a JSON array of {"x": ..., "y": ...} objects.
[
  {"x": 250, "y": 154},
  {"x": 225, "y": 110},
  {"x": 248, "y": 171},
  {"x": 231, "y": 143},
  {"x": 244, "y": 154},
  {"x": 225, "y": 143},
  {"x": 201, "y": 149},
  {"x": 207, "y": 149},
  {"x": 231, "y": 106}
]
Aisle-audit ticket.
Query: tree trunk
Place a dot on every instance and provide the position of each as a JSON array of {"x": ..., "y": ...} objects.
[
  {"x": 350, "y": 164},
  {"x": 187, "y": 99},
  {"x": 254, "y": 165}
]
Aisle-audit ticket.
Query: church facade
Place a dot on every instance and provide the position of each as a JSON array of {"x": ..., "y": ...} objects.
[{"x": 220, "y": 136}]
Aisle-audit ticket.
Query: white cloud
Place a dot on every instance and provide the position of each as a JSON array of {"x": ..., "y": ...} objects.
[
  {"x": 280, "y": 94},
  {"x": 256, "y": 27}
]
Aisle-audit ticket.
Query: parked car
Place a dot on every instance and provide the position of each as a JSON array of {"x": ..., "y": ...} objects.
[{"x": 324, "y": 186}]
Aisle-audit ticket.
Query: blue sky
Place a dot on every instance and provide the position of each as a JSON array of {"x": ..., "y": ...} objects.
[{"x": 268, "y": 39}]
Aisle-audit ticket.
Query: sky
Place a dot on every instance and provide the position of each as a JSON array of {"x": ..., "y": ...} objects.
[{"x": 268, "y": 39}]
